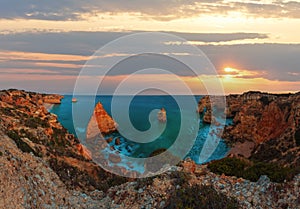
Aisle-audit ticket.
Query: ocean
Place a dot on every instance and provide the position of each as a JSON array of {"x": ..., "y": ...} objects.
[{"x": 139, "y": 110}]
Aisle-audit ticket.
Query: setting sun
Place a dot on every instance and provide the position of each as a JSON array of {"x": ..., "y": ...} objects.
[{"x": 230, "y": 70}]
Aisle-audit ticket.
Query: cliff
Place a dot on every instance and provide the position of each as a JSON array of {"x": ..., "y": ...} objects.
[
  {"x": 269, "y": 121},
  {"x": 44, "y": 166},
  {"x": 34, "y": 130}
]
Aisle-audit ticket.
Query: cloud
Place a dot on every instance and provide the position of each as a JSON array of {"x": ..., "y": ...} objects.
[
  {"x": 271, "y": 61},
  {"x": 162, "y": 10},
  {"x": 62, "y": 55},
  {"x": 86, "y": 43},
  {"x": 65, "y": 53}
]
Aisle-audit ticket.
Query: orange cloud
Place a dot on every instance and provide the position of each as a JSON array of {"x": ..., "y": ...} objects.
[{"x": 14, "y": 55}]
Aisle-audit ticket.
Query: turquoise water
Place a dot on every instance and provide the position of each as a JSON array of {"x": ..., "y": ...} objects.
[{"x": 139, "y": 110}]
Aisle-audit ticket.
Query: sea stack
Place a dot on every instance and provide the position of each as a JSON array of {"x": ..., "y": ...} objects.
[
  {"x": 162, "y": 115},
  {"x": 100, "y": 123}
]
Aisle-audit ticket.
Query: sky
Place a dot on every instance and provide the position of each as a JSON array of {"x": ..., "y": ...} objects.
[{"x": 248, "y": 45}]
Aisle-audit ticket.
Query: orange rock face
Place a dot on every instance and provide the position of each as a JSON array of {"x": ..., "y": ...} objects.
[
  {"x": 270, "y": 121},
  {"x": 53, "y": 99},
  {"x": 189, "y": 166},
  {"x": 84, "y": 151},
  {"x": 260, "y": 117},
  {"x": 100, "y": 122}
]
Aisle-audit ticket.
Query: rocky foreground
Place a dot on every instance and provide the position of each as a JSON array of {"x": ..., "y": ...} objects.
[{"x": 43, "y": 166}]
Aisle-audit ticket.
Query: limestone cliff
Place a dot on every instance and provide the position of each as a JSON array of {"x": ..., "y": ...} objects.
[
  {"x": 270, "y": 121},
  {"x": 34, "y": 130}
]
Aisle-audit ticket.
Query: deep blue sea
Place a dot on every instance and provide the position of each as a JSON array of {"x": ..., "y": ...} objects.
[{"x": 139, "y": 110}]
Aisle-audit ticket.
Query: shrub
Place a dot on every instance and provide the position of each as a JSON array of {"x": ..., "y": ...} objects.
[
  {"x": 19, "y": 142},
  {"x": 34, "y": 122},
  {"x": 252, "y": 171},
  {"x": 297, "y": 137},
  {"x": 144, "y": 182},
  {"x": 181, "y": 178},
  {"x": 29, "y": 135},
  {"x": 228, "y": 166},
  {"x": 200, "y": 197},
  {"x": 275, "y": 172},
  {"x": 7, "y": 111}
]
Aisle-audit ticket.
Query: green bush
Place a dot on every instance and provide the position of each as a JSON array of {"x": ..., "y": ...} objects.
[
  {"x": 275, "y": 172},
  {"x": 228, "y": 166},
  {"x": 200, "y": 197},
  {"x": 252, "y": 170}
]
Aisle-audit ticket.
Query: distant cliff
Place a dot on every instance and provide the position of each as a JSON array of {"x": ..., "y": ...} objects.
[{"x": 270, "y": 121}]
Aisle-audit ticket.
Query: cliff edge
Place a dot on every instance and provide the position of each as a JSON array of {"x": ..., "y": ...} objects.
[{"x": 266, "y": 126}]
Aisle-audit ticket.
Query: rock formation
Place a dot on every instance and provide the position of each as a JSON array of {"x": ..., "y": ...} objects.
[
  {"x": 100, "y": 123},
  {"x": 162, "y": 115},
  {"x": 209, "y": 105}
]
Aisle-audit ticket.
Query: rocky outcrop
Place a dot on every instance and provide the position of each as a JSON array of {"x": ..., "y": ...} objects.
[
  {"x": 34, "y": 130},
  {"x": 270, "y": 121},
  {"x": 162, "y": 115},
  {"x": 100, "y": 123},
  {"x": 157, "y": 191},
  {"x": 52, "y": 99},
  {"x": 209, "y": 107}
]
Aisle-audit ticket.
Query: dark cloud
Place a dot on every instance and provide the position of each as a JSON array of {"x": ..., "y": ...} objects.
[
  {"x": 156, "y": 9},
  {"x": 86, "y": 43}
]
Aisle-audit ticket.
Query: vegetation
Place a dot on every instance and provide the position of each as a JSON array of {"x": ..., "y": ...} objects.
[
  {"x": 34, "y": 122},
  {"x": 59, "y": 136},
  {"x": 200, "y": 197},
  {"x": 19, "y": 142},
  {"x": 180, "y": 177},
  {"x": 196, "y": 196},
  {"x": 29, "y": 135},
  {"x": 144, "y": 182},
  {"x": 297, "y": 137},
  {"x": 7, "y": 111},
  {"x": 75, "y": 178},
  {"x": 252, "y": 170}
]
